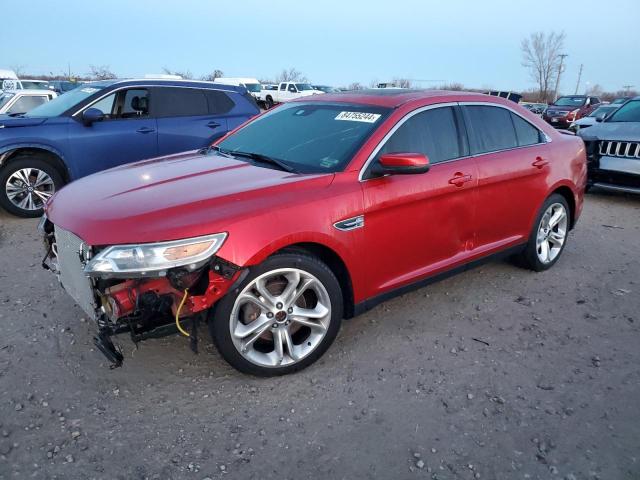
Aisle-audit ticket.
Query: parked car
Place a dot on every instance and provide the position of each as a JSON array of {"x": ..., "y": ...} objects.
[
  {"x": 288, "y": 91},
  {"x": 15, "y": 102},
  {"x": 63, "y": 86},
  {"x": 613, "y": 149},
  {"x": 620, "y": 100},
  {"x": 251, "y": 84},
  {"x": 598, "y": 114},
  {"x": 316, "y": 210},
  {"x": 325, "y": 88},
  {"x": 108, "y": 123},
  {"x": 537, "y": 108},
  {"x": 35, "y": 84},
  {"x": 569, "y": 109}
]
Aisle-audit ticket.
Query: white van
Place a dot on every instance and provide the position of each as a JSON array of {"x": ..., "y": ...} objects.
[{"x": 251, "y": 84}]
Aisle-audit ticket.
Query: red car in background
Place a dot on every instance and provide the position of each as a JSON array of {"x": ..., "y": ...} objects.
[
  {"x": 566, "y": 110},
  {"x": 313, "y": 212}
]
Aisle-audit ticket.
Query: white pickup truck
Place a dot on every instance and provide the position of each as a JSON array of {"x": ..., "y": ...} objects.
[{"x": 287, "y": 91}]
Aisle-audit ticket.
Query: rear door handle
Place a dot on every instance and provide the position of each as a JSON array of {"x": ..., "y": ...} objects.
[
  {"x": 540, "y": 162},
  {"x": 146, "y": 130},
  {"x": 459, "y": 179},
  {"x": 213, "y": 124}
]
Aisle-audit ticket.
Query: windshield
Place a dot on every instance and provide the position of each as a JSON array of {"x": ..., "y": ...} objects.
[
  {"x": 64, "y": 102},
  {"x": 629, "y": 112},
  {"x": 253, "y": 87},
  {"x": 5, "y": 97},
  {"x": 310, "y": 137},
  {"x": 570, "y": 101},
  {"x": 34, "y": 85},
  {"x": 303, "y": 86},
  {"x": 602, "y": 111},
  {"x": 619, "y": 100}
]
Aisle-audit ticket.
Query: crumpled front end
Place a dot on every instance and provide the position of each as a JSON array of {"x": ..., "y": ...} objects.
[{"x": 147, "y": 290}]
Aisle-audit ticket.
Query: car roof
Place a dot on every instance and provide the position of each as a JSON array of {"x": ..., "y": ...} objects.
[
  {"x": 30, "y": 91},
  {"x": 167, "y": 83},
  {"x": 393, "y": 98}
]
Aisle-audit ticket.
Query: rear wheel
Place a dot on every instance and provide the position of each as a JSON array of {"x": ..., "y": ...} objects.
[
  {"x": 268, "y": 102},
  {"x": 26, "y": 183},
  {"x": 549, "y": 235},
  {"x": 281, "y": 318}
]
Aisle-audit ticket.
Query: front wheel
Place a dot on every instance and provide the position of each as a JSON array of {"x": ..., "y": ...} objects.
[
  {"x": 281, "y": 318},
  {"x": 549, "y": 234},
  {"x": 26, "y": 183}
]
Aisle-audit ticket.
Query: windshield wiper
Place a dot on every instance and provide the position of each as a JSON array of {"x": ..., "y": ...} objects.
[
  {"x": 264, "y": 159},
  {"x": 217, "y": 149}
]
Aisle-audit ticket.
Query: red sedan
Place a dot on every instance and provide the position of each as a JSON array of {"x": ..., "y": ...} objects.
[{"x": 313, "y": 212}]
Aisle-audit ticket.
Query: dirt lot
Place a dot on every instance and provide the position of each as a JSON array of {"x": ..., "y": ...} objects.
[{"x": 498, "y": 373}]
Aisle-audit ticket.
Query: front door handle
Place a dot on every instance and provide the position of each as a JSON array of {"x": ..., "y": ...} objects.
[
  {"x": 213, "y": 124},
  {"x": 540, "y": 162},
  {"x": 146, "y": 130},
  {"x": 459, "y": 179}
]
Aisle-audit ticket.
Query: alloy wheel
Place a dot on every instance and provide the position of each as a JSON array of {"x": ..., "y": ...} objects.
[
  {"x": 29, "y": 188},
  {"x": 280, "y": 317},
  {"x": 552, "y": 233}
]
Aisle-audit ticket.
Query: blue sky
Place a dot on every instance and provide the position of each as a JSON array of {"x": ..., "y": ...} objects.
[{"x": 476, "y": 43}]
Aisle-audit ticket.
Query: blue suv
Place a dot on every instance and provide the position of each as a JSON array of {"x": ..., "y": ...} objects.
[{"x": 104, "y": 124}]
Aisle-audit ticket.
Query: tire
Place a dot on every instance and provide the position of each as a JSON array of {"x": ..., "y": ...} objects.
[
  {"x": 268, "y": 102},
  {"x": 44, "y": 180},
  {"x": 301, "y": 344},
  {"x": 542, "y": 232}
]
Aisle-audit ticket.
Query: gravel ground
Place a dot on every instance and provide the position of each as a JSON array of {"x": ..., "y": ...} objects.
[{"x": 498, "y": 373}]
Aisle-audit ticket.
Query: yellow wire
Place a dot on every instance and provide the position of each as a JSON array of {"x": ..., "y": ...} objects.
[{"x": 182, "y": 330}]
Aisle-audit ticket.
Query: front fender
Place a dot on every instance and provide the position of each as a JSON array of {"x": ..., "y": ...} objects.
[{"x": 6, "y": 149}]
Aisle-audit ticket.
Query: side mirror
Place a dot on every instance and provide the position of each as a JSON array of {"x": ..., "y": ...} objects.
[
  {"x": 401, "y": 164},
  {"x": 91, "y": 115}
]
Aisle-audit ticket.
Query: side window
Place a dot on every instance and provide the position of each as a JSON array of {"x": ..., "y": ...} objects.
[
  {"x": 131, "y": 103},
  {"x": 283, "y": 86},
  {"x": 292, "y": 88},
  {"x": 595, "y": 100},
  {"x": 526, "y": 133},
  {"x": 432, "y": 132},
  {"x": 180, "y": 102},
  {"x": 26, "y": 103},
  {"x": 490, "y": 129},
  {"x": 219, "y": 102},
  {"x": 106, "y": 105}
]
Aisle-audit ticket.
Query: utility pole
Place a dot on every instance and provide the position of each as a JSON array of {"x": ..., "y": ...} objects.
[
  {"x": 579, "y": 77},
  {"x": 627, "y": 88},
  {"x": 562, "y": 57}
]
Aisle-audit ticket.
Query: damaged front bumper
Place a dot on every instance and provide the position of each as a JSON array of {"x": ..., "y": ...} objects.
[{"x": 144, "y": 304}]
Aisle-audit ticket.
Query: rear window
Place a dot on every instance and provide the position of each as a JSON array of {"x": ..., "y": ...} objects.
[
  {"x": 491, "y": 129},
  {"x": 629, "y": 112},
  {"x": 179, "y": 102}
]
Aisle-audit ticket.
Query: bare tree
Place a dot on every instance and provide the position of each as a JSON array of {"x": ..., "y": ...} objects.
[
  {"x": 210, "y": 77},
  {"x": 290, "y": 75},
  {"x": 18, "y": 70},
  {"x": 541, "y": 55},
  {"x": 186, "y": 74},
  {"x": 453, "y": 86},
  {"x": 595, "y": 90},
  {"x": 355, "y": 86},
  {"x": 402, "y": 82},
  {"x": 101, "y": 72}
]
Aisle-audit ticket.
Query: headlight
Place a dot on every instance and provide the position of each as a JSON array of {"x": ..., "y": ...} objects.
[{"x": 154, "y": 259}]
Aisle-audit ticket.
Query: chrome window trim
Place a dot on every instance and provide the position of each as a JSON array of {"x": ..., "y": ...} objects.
[
  {"x": 125, "y": 87},
  {"x": 450, "y": 104}
]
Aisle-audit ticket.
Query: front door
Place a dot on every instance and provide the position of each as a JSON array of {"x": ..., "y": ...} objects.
[
  {"x": 421, "y": 224},
  {"x": 127, "y": 134}
]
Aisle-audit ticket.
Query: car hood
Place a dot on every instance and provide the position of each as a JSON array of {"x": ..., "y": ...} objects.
[
  {"x": 617, "y": 131},
  {"x": 586, "y": 121},
  {"x": 7, "y": 121},
  {"x": 169, "y": 198}
]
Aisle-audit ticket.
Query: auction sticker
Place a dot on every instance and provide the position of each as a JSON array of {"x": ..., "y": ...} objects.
[{"x": 358, "y": 117}]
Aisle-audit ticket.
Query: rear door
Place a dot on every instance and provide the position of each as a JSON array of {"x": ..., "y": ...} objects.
[
  {"x": 417, "y": 225},
  {"x": 127, "y": 133},
  {"x": 189, "y": 118},
  {"x": 512, "y": 159}
]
